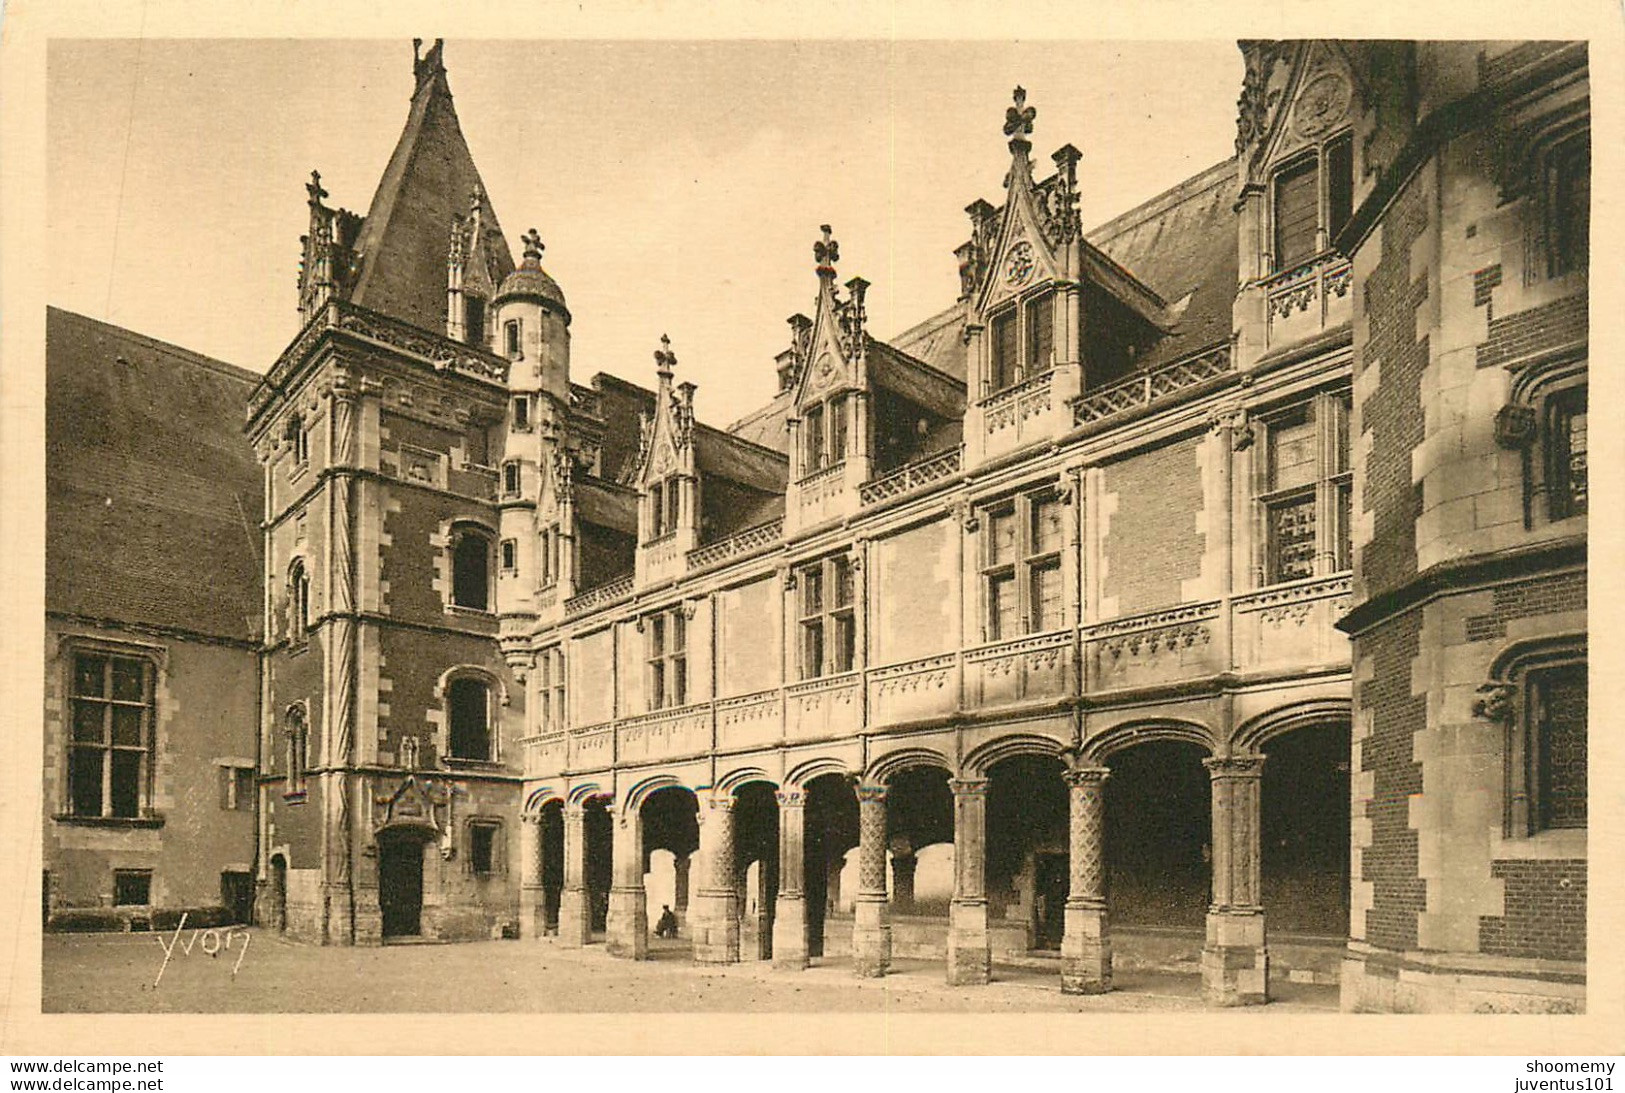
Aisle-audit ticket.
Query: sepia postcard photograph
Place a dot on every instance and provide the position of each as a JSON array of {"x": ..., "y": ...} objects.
[{"x": 811, "y": 528}]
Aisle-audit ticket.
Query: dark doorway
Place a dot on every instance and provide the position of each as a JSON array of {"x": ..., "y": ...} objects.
[
  {"x": 1304, "y": 831},
  {"x": 237, "y": 896},
  {"x": 831, "y": 829},
  {"x": 400, "y": 886},
  {"x": 278, "y": 911},
  {"x": 756, "y": 842},
  {"x": 600, "y": 839},
  {"x": 1158, "y": 835},
  {"x": 1049, "y": 900},
  {"x": 551, "y": 837}
]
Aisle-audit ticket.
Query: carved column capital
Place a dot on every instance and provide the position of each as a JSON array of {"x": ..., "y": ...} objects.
[
  {"x": 1087, "y": 776},
  {"x": 871, "y": 793},
  {"x": 1235, "y": 766},
  {"x": 792, "y": 797}
]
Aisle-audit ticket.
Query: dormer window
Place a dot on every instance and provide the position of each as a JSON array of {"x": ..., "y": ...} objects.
[
  {"x": 474, "y": 319},
  {"x": 664, "y": 500},
  {"x": 511, "y": 341},
  {"x": 1023, "y": 342},
  {"x": 825, "y": 427},
  {"x": 1313, "y": 199}
]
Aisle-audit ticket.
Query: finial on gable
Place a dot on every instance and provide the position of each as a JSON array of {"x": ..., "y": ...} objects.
[
  {"x": 665, "y": 359},
  {"x": 1018, "y": 122},
  {"x": 826, "y": 252}
]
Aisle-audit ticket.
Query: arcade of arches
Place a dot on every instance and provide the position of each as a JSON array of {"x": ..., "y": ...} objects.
[{"x": 1025, "y": 855}]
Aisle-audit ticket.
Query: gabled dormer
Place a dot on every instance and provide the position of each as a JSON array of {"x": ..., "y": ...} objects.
[
  {"x": 829, "y": 412},
  {"x": 1297, "y": 164},
  {"x": 1048, "y": 316},
  {"x": 666, "y": 476}
]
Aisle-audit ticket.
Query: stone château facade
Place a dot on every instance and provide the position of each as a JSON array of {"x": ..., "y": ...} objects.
[{"x": 1213, "y": 577}]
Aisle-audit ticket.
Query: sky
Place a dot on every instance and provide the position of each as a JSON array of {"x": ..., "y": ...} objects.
[{"x": 678, "y": 186}]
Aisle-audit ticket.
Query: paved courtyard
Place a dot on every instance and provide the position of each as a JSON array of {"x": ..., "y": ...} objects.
[{"x": 115, "y": 973}]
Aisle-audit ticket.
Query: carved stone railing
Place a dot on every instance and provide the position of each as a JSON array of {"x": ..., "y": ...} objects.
[
  {"x": 1178, "y": 642},
  {"x": 750, "y": 720},
  {"x": 1308, "y": 297},
  {"x": 1149, "y": 387},
  {"x": 1293, "y": 623},
  {"x": 1014, "y": 405},
  {"x": 660, "y": 734},
  {"x": 827, "y": 706},
  {"x": 602, "y": 596},
  {"x": 912, "y": 477},
  {"x": 545, "y": 753},
  {"x": 913, "y": 689},
  {"x": 442, "y": 352},
  {"x": 745, "y": 542},
  {"x": 1035, "y": 666}
]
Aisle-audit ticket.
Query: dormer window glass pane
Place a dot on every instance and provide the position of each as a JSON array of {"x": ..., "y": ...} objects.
[
  {"x": 1040, "y": 333},
  {"x": 837, "y": 429},
  {"x": 814, "y": 427},
  {"x": 1339, "y": 184},
  {"x": 1006, "y": 351},
  {"x": 1297, "y": 214}
]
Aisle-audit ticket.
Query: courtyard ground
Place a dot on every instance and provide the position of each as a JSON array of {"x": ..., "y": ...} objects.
[{"x": 116, "y": 973}]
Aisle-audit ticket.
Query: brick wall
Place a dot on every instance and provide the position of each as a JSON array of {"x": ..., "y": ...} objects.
[
  {"x": 1389, "y": 863},
  {"x": 1152, "y": 544},
  {"x": 1392, "y": 414},
  {"x": 1545, "y": 910},
  {"x": 1517, "y": 335},
  {"x": 1525, "y": 599}
]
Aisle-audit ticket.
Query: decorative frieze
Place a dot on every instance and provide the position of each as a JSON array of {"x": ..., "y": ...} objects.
[
  {"x": 602, "y": 596},
  {"x": 931, "y": 673}
]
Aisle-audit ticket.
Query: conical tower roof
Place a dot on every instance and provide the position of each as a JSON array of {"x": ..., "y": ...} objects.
[{"x": 425, "y": 191}]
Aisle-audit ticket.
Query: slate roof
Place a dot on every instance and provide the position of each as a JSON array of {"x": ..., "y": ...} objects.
[
  {"x": 153, "y": 494},
  {"x": 1182, "y": 243},
  {"x": 426, "y": 187}
]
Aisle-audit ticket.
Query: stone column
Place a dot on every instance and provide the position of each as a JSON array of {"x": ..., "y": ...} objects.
[
  {"x": 1235, "y": 961},
  {"x": 970, "y": 957},
  {"x": 532, "y": 898},
  {"x": 679, "y": 885},
  {"x": 790, "y": 916},
  {"x": 715, "y": 922},
  {"x": 1086, "y": 946},
  {"x": 871, "y": 932},
  {"x": 575, "y": 916},
  {"x": 626, "y": 933}
]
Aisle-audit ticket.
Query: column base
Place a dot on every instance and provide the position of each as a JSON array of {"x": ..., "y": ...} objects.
[
  {"x": 1086, "y": 951},
  {"x": 970, "y": 954},
  {"x": 1235, "y": 961},
  {"x": 790, "y": 934},
  {"x": 871, "y": 938},
  {"x": 532, "y": 912},
  {"x": 575, "y": 919},
  {"x": 714, "y": 924},
  {"x": 626, "y": 933}
]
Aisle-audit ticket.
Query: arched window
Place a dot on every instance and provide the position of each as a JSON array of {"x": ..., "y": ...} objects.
[
  {"x": 471, "y": 568},
  {"x": 298, "y": 439},
  {"x": 296, "y": 730},
  {"x": 298, "y": 602},
  {"x": 468, "y": 718}
]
